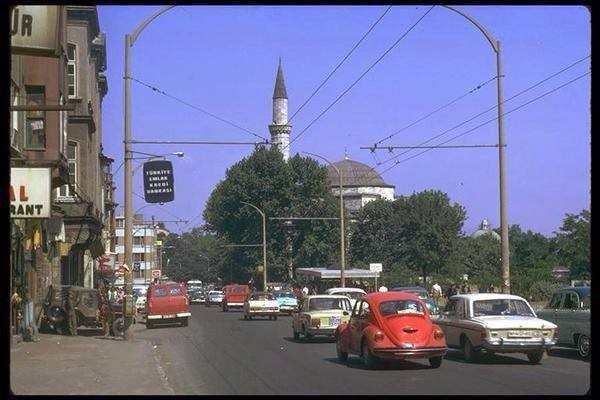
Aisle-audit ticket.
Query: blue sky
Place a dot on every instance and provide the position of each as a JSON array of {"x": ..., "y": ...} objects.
[{"x": 224, "y": 60}]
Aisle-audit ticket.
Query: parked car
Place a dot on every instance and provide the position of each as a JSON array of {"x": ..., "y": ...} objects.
[
  {"x": 496, "y": 323},
  {"x": 390, "y": 325},
  {"x": 432, "y": 306},
  {"x": 86, "y": 301},
  {"x": 320, "y": 315},
  {"x": 167, "y": 302},
  {"x": 215, "y": 297},
  {"x": 569, "y": 309},
  {"x": 261, "y": 304},
  {"x": 140, "y": 292},
  {"x": 288, "y": 303},
  {"x": 234, "y": 296},
  {"x": 352, "y": 293}
]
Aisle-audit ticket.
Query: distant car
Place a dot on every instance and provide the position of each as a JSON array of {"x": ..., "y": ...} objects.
[
  {"x": 215, "y": 297},
  {"x": 196, "y": 295},
  {"x": 234, "y": 296},
  {"x": 288, "y": 303},
  {"x": 352, "y": 293},
  {"x": 390, "y": 325},
  {"x": 140, "y": 292},
  {"x": 261, "y": 304},
  {"x": 496, "y": 323},
  {"x": 569, "y": 309},
  {"x": 320, "y": 315},
  {"x": 167, "y": 302},
  {"x": 432, "y": 306}
]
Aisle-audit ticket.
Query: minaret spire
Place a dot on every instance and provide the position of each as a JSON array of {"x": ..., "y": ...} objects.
[{"x": 280, "y": 130}]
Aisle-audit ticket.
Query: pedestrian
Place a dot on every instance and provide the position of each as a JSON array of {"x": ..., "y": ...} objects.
[
  {"x": 305, "y": 291},
  {"x": 451, "y": 291},
  {"x": 70, "y": 306},
  {"x": 465, "y": 288},
  {"x": 104, "y": 308},
  {"x": 436, "y": 292},
  {"x": 491, "y": 288},
  {"x": 313, "y": 290},
  {"x": 383, "y": 289}
]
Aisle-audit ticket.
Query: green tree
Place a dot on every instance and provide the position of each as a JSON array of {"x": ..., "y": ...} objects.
[
  {"x": 297, "y": 188},
  {"x": 573, "y": 244},
  {"x": 479, "y": 258}
]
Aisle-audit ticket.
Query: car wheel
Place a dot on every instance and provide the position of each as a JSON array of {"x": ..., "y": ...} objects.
[
  {"x": 535, "y": 356},
  {"x": 296, "y": 335},
  {"x": 583, "y": 346},
  {"x": 184, "y": 322},
  {"x": 468, "y": 350},
  {"x": 435, "y": 362},
  {"x": 61, "y": 327},
  {"x": 341, "y": 355},
  {"x": 368, "y": 359}
]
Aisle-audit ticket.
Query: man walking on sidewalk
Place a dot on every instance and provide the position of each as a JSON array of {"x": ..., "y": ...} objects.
[{"x": 70, "y": 306}]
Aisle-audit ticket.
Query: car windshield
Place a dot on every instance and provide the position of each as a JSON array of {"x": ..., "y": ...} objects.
[
  {"x": 394, "y": 307},
  {"x": 323, "y": 303},
  {"x": 285, "y": 295},
  {"x": 261, "y": 296},
  {"x": 501, "y": 307}
]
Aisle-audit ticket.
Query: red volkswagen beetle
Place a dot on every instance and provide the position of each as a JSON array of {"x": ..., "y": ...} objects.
[{"x": 390, "y": 325}]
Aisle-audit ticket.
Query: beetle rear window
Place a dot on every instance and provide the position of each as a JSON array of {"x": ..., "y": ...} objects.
[{"x": 400, "y": 307}]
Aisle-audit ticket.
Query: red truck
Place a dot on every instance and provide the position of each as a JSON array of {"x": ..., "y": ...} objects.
[
  {"x": 167, "y": 302},
  {"x": 234, "y": 296}
]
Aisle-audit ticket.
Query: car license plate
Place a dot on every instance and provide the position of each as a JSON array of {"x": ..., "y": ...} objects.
[
  {"x": 169, "y": 316},
  {"x": 334, "y": 321}
]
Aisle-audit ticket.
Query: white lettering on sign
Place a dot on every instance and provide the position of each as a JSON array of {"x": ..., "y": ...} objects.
[{"x": 29, "y": 193}]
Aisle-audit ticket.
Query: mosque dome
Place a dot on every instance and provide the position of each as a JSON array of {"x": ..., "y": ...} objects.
[
  {"x": 485, "y": 229},
  {"x": 355, "y": 174}
]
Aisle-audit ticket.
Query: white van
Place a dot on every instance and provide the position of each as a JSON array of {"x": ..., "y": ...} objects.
[{"x": 352, "y": 293}]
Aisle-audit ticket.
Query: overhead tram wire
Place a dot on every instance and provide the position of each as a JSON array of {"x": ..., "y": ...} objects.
[
  {"x": 360, "y": 77},
  {"x": 340, "y": 63},
  {"x": 483, "y": 112},
  {"x": 437, "y": 110},
  {"x": 198, "y": 109},
  {"x": 489, "y": 121}
]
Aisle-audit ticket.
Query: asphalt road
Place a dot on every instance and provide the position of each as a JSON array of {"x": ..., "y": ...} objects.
[{"x": 220, "y": 353}]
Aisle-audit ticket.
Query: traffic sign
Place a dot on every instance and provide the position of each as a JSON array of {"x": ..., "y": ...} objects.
[
  {"x": 156, "y": 273},
  {"x": 376, "y": 267}
]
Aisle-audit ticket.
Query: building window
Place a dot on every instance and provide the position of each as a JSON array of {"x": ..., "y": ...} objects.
[
  {"x": 120, "y": 223},
  {"x": 72, "y": 158},
  {"x": 72, "y": 70},
  {"x": 15, "y": 121},
  {"x": 63, "y": 123},
  {"x": 35, "y": 130}
]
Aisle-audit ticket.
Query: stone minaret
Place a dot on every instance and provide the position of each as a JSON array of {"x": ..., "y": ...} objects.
[{"x": 280, "y": 130}]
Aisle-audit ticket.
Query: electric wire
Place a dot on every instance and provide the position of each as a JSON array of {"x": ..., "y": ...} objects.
[
  {"x": 198, "y": 108},
  {"x": 489, "y": 121},
  {"x": 340, "y": 63},
  {"x": 359, "y": 78},
  {"x": 489, "y": 109}
]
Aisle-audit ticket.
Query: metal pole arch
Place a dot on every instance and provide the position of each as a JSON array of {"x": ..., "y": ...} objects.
[
  {"x": 501, "y": 154},
  {"x": 264, "y": 244}
]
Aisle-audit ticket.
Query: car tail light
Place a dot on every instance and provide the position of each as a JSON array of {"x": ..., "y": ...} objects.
[
  {"x": 438, "y": 333},
  {"x": 378, "y": 336}
]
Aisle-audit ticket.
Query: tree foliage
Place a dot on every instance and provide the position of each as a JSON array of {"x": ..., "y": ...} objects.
[
  {"x": 573, "y": 244},
  {"x": 297, "y": 188}
]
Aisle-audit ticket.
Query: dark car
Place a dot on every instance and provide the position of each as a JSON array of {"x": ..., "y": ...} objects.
[
  {"x": 196, "y": 295},
  {"x": 86, "y": 308}
]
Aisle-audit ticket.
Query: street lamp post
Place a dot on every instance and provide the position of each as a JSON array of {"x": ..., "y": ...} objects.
[
  {"x": 128, "y": 178},
  {"x": 501, "y": 156},
  {"x": 342, "y": 236},
  {"x": 264, "y": 235}
]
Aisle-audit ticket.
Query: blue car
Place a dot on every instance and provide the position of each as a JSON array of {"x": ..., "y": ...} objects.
[{"x": 288, "y": 303}]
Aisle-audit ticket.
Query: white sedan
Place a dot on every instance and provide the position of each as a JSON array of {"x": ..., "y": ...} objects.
[
  {"x": 261, "y": 304},
  {"x": 496, "y": 323}
]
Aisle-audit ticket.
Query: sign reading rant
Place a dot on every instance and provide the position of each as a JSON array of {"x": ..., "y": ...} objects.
[
  {"x": 158, "y": 181},
  {"x": 29, "y": 193}
]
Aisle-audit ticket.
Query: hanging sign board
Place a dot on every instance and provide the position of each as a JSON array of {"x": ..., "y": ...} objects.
[
  {"x": 30, "y": 193},
  {"x": 36, "y": 30},
  {"x": 376, "y": 267},
  {"x": 158, "y": 181}
]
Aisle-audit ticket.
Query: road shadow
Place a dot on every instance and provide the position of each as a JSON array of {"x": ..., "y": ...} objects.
[
  {"x": 87, "y": 332},
  {"x": 486, "y": 358},
  {"x": 315, "y": 340},
  {"x": 566, "y": 352},
  {"x": 356, "y": 362}
]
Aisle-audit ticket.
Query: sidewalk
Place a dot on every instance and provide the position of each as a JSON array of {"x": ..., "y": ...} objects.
[{"x": 87, "y": 364}]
